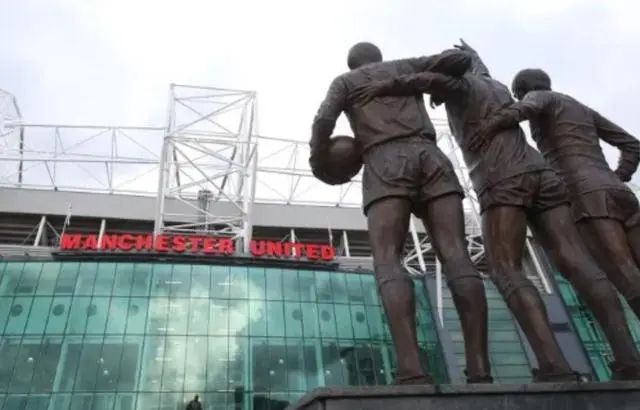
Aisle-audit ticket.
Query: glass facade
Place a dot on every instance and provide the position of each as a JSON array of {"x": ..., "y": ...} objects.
[
  {"x": 509, "y": 362},
  {"x": 590, "y": 333},
  {"x": 123, "y": 336}
]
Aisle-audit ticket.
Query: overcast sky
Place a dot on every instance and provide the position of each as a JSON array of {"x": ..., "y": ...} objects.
[{"x": 110, "y": 62}]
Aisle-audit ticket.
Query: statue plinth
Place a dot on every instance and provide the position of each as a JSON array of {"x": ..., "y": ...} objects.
[{"x": 557, "y": 396}]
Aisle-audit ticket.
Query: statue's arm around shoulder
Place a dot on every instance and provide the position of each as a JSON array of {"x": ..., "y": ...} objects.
[
  {"x": 532, "y": 105},
  {"x": 628, "y": 145}
]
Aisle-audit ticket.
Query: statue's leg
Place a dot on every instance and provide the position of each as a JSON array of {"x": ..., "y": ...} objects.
[
  {"x": 633, "y": 238},
  {"x": 388, "y": 221},
  {"x": 557, "y": 231},
  {"x": 504, "y": 230},
  {"x": 443, "y": 218},
  {"x": 608, "y": 243}
]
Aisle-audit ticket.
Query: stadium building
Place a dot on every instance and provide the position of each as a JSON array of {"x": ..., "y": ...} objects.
[{"x": 141, "y": 266}]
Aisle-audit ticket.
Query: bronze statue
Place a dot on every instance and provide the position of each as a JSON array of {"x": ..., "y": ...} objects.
[
  {"x": 515, "y": 186},
  {"x": 567, "y": 133},
  {"x": 404, "y": 173}
]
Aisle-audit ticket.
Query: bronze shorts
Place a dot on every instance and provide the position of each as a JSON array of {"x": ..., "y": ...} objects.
[
  {"x": 619, "y": 204},
  {"x": 536, "y": 191},
  {"x": 413, "y": 168}
]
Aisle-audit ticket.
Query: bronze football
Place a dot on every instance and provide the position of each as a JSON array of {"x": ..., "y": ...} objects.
[{"x": 344, "y": 159}]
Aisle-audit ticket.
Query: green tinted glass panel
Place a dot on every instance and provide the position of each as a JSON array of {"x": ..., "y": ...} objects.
[
  {"x": 137, "y": 335},
  {"x": 590, "y": 333}
]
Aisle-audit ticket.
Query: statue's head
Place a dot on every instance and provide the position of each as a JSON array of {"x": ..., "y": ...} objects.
[
  {"x": 363, "y": 53},
  {"x": 530, "y": 79}
]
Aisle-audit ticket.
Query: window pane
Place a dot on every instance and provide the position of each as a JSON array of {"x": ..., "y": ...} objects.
[
  {"x": 70, "y": 359},
  {"x": 78, "y": 315},
  {"x": 323, "y": 286},
  {"x": 238, "y": 361},
  {"x": 5, "y": 308},
  {"x": 117, "y": 318},
  {"x": 295, "y": 365},
  {"x": 141, "y": 279},
  {"x": 238, "y": 317},
  {"x": 291, "y": 284},
  {"x": 354, "y": 288},
  {"x": 274, "y": 283},
  {"x": 16, "y": 402},
  {"x": 307, "y": 283},
  {"x": 338, "y": 287},
  {"x": 198, "y": 317},
  {"x": 333, "y": 366},
  {"x": 11, "y": 278},
  {"x": 97, "y": 313},
  {"x": 200, "y": 281},
  {"x": 8, "y": 356},
  {"x": 18, "y": 315},
  {"x": 24, "y": 365},
  {"x": 58, "y": 314},
  {"x": 88, "y": 271},
  {"x": 48, "y": 278},
  {"x": 128, "y": 370},
  {"x": 158, "y": 310},
  {"x": 124, "y": 279},
  {"x": 38, "y": 403},
  {"x": 218, "y": 363},
  {"x": 238, "y": 283},
  {"x": 257, "y": 318},
  {"x": 359, "y": 322},
  {"x": 174, "y": 362},
  {"x": 67, "y": 278},
  {"x": 343, "y": 321},
  {"x": 104, "y": 279},
  {"x": 108, "y": 364},
  {"x": 137, "y": 315},
  {"x": 38, "y": 315},
  {"x": 181, "y": 280},
  {"x": 161, "y": 280},
  {"x": 376, "y": 323},
  {"x": 269, "y": 365},
  {"x": 196, "y": 364},
  {"x": 257, "y": 284},
  {"x": 275, "y": 318},
  {"x": 148, "y": 401},
  {"x": 29, "y": 279},
  {"x": 61, "y": 402},
  {"x": 310, "y": 320},
  {"x": 152, "y": 364},
  {"x": 218, "y": 317},
  {"x": 293, "y": 319},
  {"x": 178, "y": 316},
  {"x": 369, "y": 289},
  {"x": 327, "y": 320},
  {"x": 220, "y": 282}
]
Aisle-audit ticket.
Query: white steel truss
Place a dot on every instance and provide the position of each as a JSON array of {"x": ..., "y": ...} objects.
[
  {"x": 10, "y": 137},
  {"x": 208, "y": 156},
  {"x": 105, "y": 159}
]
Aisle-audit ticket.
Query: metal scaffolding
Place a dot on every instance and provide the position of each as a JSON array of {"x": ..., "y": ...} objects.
[{"x": 208, "y": 156}]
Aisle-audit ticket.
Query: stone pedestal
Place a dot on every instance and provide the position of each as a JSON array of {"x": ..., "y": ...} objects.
[{"x": 548, "y": 396}]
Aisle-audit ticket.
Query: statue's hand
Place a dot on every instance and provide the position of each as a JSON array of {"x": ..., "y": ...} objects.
[
  {"x": 624, "y": 176},
  {"x": 367, "y": 92},
  {"x": 463, "y": 46}
]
